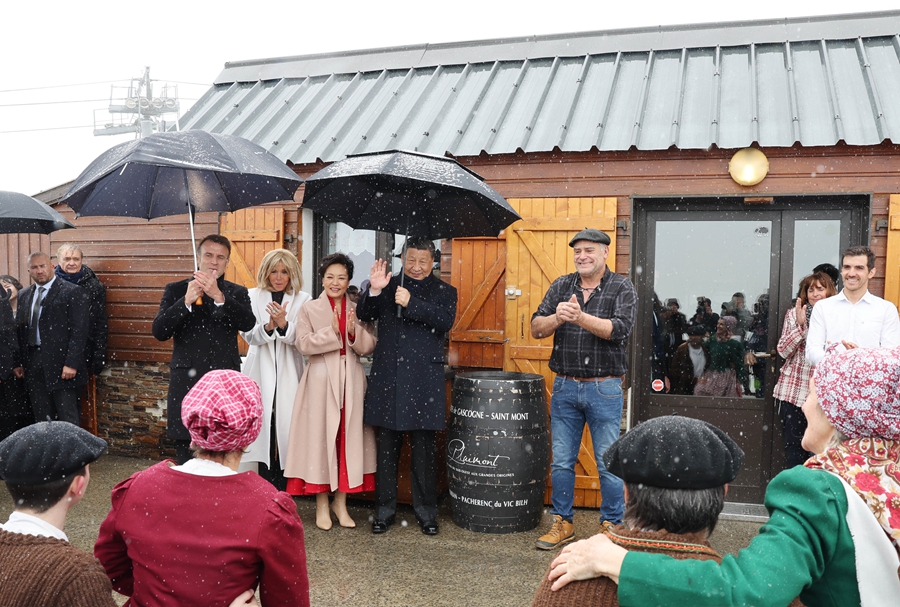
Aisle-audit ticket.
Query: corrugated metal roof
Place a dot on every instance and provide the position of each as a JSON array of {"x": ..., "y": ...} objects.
[{"x": 815, "y": 81}]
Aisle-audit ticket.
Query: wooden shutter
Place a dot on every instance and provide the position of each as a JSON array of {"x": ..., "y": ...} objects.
[
  {"x": 892, "y": 256},
  {"x": 253, "y": 232},
  {"x": 478, "y": 273}
]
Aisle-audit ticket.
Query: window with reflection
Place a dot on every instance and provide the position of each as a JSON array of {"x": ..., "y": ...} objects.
[
  {"x": 358, "y": 245},
  {"x": 711, "y": 307}
]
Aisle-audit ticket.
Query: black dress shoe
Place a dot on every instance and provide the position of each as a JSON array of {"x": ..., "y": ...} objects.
[
  {"x": 382, "y": 525},
  {"x": 430, "y": 528}
]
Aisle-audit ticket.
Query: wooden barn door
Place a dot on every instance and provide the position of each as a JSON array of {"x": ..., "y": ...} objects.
[
  {"x": 253, "y": 232},
  {"x": 538, "y": 252},
  {"x": 478, "y": 273}
]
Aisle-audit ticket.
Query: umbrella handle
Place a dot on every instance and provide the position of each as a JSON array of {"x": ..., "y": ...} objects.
[{"x": 199, "y": 301}]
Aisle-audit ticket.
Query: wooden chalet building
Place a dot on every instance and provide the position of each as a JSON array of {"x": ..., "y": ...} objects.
[{"x": 630, "y": 131}]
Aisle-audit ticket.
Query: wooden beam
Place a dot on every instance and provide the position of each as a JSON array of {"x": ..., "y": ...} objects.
[
  {"x": 563, "y": 224},
  {"x": 252, "y": 235},
  {"x": 534, "y": 247}
]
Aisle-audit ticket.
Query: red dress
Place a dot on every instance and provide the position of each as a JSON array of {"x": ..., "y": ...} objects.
[{"x": 298, "y": 486}]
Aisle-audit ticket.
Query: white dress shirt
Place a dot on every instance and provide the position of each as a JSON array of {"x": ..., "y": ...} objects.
[
  {"x": 19, "y": 522},
  {"x": 871, "y": 322}
]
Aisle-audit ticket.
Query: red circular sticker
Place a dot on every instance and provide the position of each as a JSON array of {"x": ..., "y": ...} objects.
[{"x": 657, "y": 385}]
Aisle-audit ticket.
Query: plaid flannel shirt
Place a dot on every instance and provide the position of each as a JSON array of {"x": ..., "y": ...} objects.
[
  {"x": 793, "y": 383},
  {"x": 578, "y": 352}
]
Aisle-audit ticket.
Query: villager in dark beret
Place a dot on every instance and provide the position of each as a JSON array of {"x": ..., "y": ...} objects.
[
  {"x": 675, "y": 452},
  {"x": 46, "y": 452},
  {"x": 591, "y": 235}
]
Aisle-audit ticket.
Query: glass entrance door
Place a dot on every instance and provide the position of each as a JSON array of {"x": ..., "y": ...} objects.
[{"x": 715, "y": 279}]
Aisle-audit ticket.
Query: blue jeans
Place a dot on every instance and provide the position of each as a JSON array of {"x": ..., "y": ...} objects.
[{"x": 600, "y": 405}]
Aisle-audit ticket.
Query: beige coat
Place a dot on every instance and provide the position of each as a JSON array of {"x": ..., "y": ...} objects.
[{"x": 329, "y": 381}]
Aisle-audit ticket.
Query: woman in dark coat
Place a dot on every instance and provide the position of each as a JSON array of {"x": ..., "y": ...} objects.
[
  {"x": 406, "y": 385},
  {"x": 15, "y": 410}
]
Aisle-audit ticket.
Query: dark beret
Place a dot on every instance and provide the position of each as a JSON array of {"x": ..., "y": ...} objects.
[
  {"x": 592, "y": 235},
  {"x": 675, "y": 452},
  {"x": 697, "y": 330},
  {"x": 46, "y": 452}
]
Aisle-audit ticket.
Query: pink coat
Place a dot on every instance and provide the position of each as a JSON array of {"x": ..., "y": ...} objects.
[{"x": 328, "y": 382}]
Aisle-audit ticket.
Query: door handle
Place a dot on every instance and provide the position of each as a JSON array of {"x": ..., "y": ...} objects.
[{"x": 493, "y": 340}]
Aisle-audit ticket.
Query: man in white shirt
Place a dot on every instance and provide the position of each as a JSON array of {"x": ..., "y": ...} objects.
[{"x": 854, "y": 318}]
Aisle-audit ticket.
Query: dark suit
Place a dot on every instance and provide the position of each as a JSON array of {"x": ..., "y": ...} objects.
[
  {"x": 406, "y": 390},
  {"x": 63, "y": 325},
  {"x": 205, "y": 339}
]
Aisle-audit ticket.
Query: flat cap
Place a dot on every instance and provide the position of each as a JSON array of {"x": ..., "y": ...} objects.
[
  {"x": 47, "y": 451},
  {"x": 675, "y": 452},
  {"x": 592, "y": 235}
]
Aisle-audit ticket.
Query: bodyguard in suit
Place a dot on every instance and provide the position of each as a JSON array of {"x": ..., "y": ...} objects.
[
  {"x": 205, "y": 332},
  {"x": 406, "y": 386},
  {"x": 52, "y": 319}
]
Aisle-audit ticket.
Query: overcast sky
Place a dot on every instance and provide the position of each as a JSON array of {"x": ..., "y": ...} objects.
[{"x": 48, "y": 47}]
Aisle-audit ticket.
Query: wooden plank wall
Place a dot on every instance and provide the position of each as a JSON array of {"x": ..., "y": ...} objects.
[{"x": 15, "y": 250}]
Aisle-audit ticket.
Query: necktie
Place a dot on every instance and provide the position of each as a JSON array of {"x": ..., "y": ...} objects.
[{"x": 36, "y": 316}]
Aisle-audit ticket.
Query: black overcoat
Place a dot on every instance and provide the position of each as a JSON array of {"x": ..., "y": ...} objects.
[
  {"x": 64, "y": 330},
  {"x": 406, "y": 386},
  {"x": 9, "y": 341},
  {"x": 205, "y": 339},
  {"x": 98, "y": 333}
]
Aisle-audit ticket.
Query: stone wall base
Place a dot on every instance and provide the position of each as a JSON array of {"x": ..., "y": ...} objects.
[{"x": 131, "y": 409}]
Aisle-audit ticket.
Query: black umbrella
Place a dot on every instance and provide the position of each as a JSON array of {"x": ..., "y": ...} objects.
[
  {"x": 21, "y": 214},
  {"x": 181, "y": 172},
  {"x": 408, "y": 193}
]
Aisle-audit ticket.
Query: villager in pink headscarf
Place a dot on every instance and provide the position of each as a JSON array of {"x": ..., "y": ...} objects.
[
  {"x": 223, "y": 411},
  {"x": 202, "y": 533}
]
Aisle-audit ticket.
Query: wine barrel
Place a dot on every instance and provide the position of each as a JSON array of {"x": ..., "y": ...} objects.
[{"x": 498, "y": 451}]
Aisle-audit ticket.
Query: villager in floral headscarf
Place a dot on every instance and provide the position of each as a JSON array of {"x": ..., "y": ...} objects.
[
  {"x": 859, "y": 397},
  {"x": 833, "y": 534}
]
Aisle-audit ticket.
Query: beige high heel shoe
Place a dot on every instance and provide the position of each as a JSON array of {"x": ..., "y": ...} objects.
[
  {"x": 323, "y": 515},
  {"x": 339, "y": 507}
]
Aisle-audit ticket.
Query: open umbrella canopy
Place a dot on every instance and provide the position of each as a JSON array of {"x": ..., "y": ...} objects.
[
  {"x": 21, "y": 214},
  {"x": 161, "y": 174},
  {"x": 408, "y": 193}
]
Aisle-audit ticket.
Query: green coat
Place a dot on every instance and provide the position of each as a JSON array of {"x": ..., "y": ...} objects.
[{"x": 805, "y": 549}]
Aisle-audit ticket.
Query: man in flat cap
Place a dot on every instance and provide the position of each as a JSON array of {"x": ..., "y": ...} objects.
[
  {"x": 45, "y": 468},
  {"x": 676, "y": 471},
  {"x": 590, "y": 314}
]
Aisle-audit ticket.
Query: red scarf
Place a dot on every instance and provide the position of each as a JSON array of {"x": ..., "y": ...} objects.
[{"x": 342, "y": 323}]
